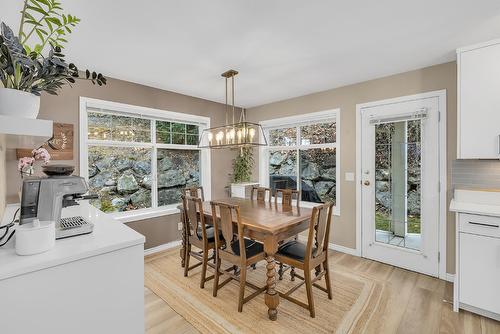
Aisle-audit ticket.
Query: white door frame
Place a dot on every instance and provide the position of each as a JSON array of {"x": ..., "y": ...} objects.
[{"x": 441, "y": 95}]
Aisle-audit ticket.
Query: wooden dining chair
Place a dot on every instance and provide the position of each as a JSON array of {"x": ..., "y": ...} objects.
[
  {"x": 234, "y": 248},
  {"x": 194, "y": 192},
  {"x": 287, "y": 197},
  {"x": 312, "y": 256},
  {"x": 199, "y": 235},
  {"x": 261, "y": 193}
]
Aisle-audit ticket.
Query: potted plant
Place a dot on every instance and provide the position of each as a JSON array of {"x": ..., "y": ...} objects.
[
  {"x": 241, "y": 184},
  {"x": 27, "y": 70}
]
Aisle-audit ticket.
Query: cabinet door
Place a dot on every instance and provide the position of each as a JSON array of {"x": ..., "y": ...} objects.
[
  {"x": 480, "y": 272},
  {"x": 479, "y": 89}
]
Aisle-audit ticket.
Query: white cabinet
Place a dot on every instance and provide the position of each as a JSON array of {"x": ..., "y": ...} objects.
[{"x": 479, "y": 101}]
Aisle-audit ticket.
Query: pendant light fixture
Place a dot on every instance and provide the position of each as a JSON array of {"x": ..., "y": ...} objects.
[{"x": 233, "y": 134}]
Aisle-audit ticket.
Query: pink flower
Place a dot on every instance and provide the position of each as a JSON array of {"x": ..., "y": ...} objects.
[
  {"x": 41, "y": 154},
  {"x": 24, "y": 162}
]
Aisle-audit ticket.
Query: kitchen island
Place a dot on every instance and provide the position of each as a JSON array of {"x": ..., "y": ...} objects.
[{"x": 91, "y": 283}]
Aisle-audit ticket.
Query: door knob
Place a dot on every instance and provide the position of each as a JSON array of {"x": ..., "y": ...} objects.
[{"x": 366, "y": 183}]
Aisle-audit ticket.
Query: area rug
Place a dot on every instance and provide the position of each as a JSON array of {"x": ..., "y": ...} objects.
[{"x": 352, "y": 295}]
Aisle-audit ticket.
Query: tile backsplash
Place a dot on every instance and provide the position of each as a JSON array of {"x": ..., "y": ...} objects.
[{"x": 476, "y": 174}]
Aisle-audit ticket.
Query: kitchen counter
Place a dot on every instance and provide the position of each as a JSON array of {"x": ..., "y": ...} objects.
[
  {"x": 480, "y": 201},
  {"x": 108, "y": 235}
]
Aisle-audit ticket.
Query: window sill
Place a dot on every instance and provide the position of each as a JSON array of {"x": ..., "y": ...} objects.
[{"x": 132, "y": 216}]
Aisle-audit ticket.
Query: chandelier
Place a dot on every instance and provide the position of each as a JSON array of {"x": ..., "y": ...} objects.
[{"x": 233, "y": 134}]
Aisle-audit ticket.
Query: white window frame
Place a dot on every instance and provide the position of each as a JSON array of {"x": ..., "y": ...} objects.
[
  {"x": 331, "y": 115},
  {"x": 154, "y": 114}
]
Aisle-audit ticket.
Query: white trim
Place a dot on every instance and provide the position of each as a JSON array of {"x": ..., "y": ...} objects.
[
  {"x": 441, "y": 95},
  {"x": 449, "y": 277},
  {"x": 343, "y": 249},
  {"x": 156, "y": 114},
  {"x": 303, "y": 119},
  {"x": 478, "y": 46},
  {"x": 163, "y": 247}
]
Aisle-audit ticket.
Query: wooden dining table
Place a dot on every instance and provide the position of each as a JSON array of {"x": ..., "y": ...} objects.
[{"x": 268, "y": 223}]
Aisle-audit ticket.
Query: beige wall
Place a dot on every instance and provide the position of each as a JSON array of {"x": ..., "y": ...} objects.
[
  {"x": 423, "y": 80},
  {"x": 65, "y": 109},
  {"x": 3, "y": 188}
]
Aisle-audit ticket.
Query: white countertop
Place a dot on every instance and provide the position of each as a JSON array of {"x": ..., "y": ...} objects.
[
  {"x": 479, "y": 202},
  {"x": 108, "y": 235}
]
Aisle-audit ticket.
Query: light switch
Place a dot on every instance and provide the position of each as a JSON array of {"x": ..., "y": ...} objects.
[{"x": 349, "y": 176}]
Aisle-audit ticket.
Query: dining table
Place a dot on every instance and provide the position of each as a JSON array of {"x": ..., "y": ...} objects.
[{"x": 269, "y": 223}]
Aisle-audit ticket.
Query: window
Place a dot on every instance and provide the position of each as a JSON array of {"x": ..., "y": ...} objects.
[
  {"x": 303, "y": 155},
  {"x": 138, "y": 160}
]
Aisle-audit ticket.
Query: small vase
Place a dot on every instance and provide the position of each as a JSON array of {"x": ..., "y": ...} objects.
[{"x": 17, "y": 103}]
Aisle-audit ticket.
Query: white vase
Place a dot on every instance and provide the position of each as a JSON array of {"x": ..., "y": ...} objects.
[{"x": 17, "y": 103}]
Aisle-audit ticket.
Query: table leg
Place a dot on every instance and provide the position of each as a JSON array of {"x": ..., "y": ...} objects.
[{"x": 271, "y": 298}]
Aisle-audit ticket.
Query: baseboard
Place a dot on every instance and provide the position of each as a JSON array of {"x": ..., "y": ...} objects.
[
  {"x": 343, "y": 249},
  {"x": 160, "y": 248},
  {"x": 449, "y": 277}
]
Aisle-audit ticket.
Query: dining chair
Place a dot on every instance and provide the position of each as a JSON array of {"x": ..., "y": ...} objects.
[
  {"x": 261, "y": 192},
  {"x": 287, "y": 196},
  {"x": 199, "y": 235},
  {"x": 234, "y": 248},
  {"x": 194, "y": 192},
  {"x": 312, "y": 256}
]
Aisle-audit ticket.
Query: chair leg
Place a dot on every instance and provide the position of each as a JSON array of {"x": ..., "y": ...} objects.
[
  {"x": 280, "y": 272},
  {"x": 186, "y": 260},
  {"x": 292, "y": 274},
  {"x": 216, "y": 276},
  {"x": 317, "y": 271},
  {"x": 243, "y": 277},
  {"x": 310, "y": 301},
  {"x": 204, "y": 268},
  {"x": 327, "y": 279}
]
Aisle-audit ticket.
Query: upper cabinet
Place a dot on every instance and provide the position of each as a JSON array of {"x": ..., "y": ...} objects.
[{"x": 479, "y": 101}]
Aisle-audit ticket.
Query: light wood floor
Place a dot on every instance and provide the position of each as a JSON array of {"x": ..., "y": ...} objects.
[{"x": 419, "y": 303}]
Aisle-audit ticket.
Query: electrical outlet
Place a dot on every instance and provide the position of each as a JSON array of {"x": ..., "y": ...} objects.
[{"x": 179, "y": 226}]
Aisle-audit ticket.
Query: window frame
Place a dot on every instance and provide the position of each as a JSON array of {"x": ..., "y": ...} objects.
[
  {"x": 156, "y": 115},
  {"x": 331, "y": 115}
]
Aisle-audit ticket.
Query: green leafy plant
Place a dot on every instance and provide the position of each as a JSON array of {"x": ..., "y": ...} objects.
[
  {"x": 243, "y": 165},
  {"x": 24, "y": 67}
]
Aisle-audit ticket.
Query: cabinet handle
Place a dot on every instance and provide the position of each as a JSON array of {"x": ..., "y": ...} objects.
[{"x": 483, "y": 224}]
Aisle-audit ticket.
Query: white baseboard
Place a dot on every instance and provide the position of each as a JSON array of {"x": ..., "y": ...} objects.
[
  {"x": 163, "y": 247},
  {"x": 449, "y": 277},
  {"x": 335, "y": 247}
]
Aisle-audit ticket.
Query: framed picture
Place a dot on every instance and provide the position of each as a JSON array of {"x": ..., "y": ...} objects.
[{"x": 60, "y": 146}]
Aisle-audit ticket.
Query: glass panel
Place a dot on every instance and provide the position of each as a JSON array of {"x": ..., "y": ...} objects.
[
  {"x": 397, "y": 183},
  {"x": 192, "y": 139},
  {"x": 192, "y": 129},
  {"x": 322, "y": 133},
  {"x": 283, "y": 137},
  {"x": 163, "y": 132},
  {"x": 282, "y": 169},
  {"x": 179, "y": 138},
  {"x": 177, "y": 169},
  {"x": 118, "y": 128},
  {"x": 179, "y": 127},
  {"x": 318, "y": 175},
  {"x": 121, "y": 176}
]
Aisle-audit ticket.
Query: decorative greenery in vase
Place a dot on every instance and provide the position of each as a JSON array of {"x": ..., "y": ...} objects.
[
  {"x": 25, "y": 67},
  {"x": 243, "y": 165}
]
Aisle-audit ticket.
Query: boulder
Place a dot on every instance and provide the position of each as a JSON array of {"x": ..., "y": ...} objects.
[
  {"x": 147, "y": 181},
  {"x": 169, "y": 196},
  {"x": 310, "y": 171},
  {"x": 127, "y": 184},
  {"x": 323, "y": 187},
  {"x": 141, "y": 198},
  {"x": 382, "y": 186},
  {"x": 171, "y": 178},
  {"x": 382, "y": 174},
  {"x": 277, "y": 158},
  {"x": 414, "y": 202},
  {"x": 93, "y": 171},
  {"x": 110, "y": 183},
  {"x": 118, "y": 202},
  {"x": 98, "y": 180},
  {"x": 329, "y": 174},
  {"x": 104, "y": 163},
  {"x": 287, "y": 169},
  {"x": 123, "y": 164},
  {"x": 142, "y": 167},
  {"x": 165, "y": 164}
]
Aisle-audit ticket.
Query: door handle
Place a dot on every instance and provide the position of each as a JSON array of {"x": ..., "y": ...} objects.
[
  {"x": 366, "y": 183},
  {"x": 483, "y": 224}
]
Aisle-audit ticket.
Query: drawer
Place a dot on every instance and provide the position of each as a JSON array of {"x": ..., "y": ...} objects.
[{"x": 480, "y": 225}]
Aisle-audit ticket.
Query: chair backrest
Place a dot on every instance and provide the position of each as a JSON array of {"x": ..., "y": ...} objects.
[
  {"x": 287, "y": 196},
  {"x": 194, "y": 221},
  {"x": 223, "y": 215},
  {"x": 319, "y": 230},
  {"x": 261, "y": 192},
  {"x": 194, "y": 192}
]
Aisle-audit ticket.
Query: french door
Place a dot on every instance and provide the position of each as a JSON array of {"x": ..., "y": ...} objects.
[{"x": 400, "y": 184}]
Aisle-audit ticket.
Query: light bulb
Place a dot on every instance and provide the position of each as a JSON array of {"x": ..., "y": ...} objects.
[
  {"x": 251, "y": 132},
  {"x": 210, "y": 137}
]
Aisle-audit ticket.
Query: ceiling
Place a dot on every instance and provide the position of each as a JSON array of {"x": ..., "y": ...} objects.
[{"x": 282, "y": 48}]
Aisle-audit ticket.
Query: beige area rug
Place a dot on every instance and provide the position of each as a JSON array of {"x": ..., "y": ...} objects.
[{"x": 352, "y": 294}]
